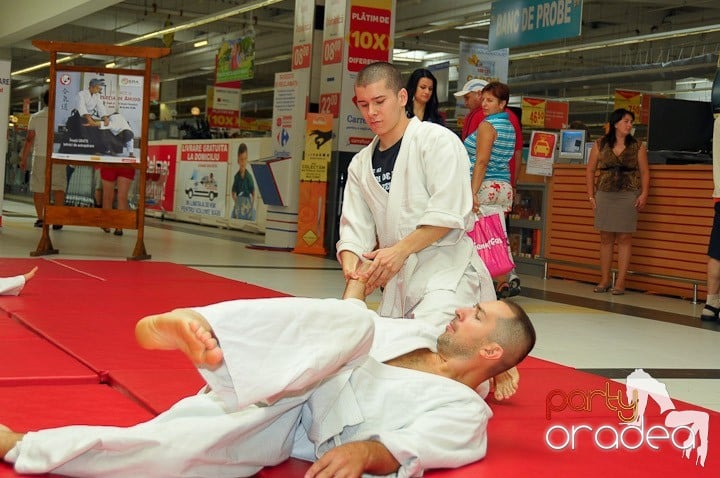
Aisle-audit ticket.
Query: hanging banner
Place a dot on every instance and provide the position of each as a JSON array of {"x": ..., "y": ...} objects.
[
  {"x": 541, "y": 153},
  {"x": 333, "y": 50},
  {"x": 369, "y": 31},
  {"x": 477, "y": 61},
  {"x": 524, "y": 22},
  {"x": 235, "y": 59},
  {"x": 303, "y": 34},
  {"x": 370, "y": 34}
]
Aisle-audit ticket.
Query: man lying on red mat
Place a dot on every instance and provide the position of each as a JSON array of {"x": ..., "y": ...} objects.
[
  {"x": 13, "y": 285},
  {"x": 324, "y": 380}
]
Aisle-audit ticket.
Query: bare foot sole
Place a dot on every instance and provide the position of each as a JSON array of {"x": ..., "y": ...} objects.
[
  {"x": 184, "y": 330},
  {"x": 506, "y": 384},
  {"x": 8, "y": 439}
]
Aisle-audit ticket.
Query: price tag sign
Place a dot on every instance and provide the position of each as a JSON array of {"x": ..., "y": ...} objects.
[
  {"x": 332, "y": 51},
  {"x": 533, "y": 112},
  {"x": 301, "y": 57},
  {"x": 630, "y": 100},
  {"x": 330, "y": 104},
  {"x": 369, "y": 39},
  {"x": 223, "y": 118}
]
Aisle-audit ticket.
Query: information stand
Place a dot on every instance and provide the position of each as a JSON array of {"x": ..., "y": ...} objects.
[{"x": 84, "y": 154}]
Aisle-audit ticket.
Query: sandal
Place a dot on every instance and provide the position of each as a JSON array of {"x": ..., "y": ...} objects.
[
  {"x": 601, "y": 289},
  {"x": 118, "y": 232},
  {"x": 105, "y": 229},
  {"x": 615, "y": 291},
  {"x": 514, "y": 284},
  {"x": 503, "y": 291},
  {"x": 710, "y": 313}
]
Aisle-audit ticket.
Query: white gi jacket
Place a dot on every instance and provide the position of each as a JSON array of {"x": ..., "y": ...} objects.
[
  {"x": 430, "y": 186},
  {"x": 296, "y": 381}
]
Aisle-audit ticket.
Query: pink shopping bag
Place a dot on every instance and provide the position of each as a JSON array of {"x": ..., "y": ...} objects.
[{"x": 491, "y": 244}]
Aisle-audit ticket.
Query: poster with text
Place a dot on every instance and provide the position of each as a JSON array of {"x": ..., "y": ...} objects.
[
  {"x": 369, "y": 34},
  {"x": 202, "y": 179},
  {"x": 542, "y": 153},
  {"x": 98, "y": 117}
]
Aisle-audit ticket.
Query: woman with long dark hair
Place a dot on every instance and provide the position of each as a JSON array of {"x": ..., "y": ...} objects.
[
  {"x": 617, "y": 194},
  {"x": 422, "y": 97}
]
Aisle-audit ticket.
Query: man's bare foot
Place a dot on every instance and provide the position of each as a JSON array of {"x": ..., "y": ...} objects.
[
  {"x": 506, "y": 384},
  {"x": 31, "y": 274},
  {"x": 8, "y": 439},
  {"x": 184, "y": 330}
]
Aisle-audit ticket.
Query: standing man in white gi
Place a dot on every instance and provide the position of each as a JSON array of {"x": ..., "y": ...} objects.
[
  {"x": 407, "y": 206},
  {"x": 292, "y": 377}
]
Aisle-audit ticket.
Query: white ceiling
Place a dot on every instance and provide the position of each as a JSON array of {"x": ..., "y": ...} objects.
[{"x": 591, "y": 69}]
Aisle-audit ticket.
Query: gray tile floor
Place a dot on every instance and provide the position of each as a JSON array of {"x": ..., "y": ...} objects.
[{"x": 573, "y": 327}]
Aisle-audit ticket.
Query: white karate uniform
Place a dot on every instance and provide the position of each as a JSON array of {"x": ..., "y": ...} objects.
[
  {"x": 296, "y": 381},
  {"x": 89, "y": 104},
  {"x": 11, "y": 285},
  {"x": 430, "y": 186}
]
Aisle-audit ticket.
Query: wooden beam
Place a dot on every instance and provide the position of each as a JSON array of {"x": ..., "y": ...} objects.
[{"x": 99, "y": 49}]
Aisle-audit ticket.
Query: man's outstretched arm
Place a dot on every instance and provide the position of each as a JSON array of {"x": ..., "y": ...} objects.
[
  {"x": 356, "y": 288},
  {"x": 353, "y": 459}
]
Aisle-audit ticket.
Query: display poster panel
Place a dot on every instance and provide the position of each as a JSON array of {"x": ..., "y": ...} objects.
[{"x": 98, "y": 117}]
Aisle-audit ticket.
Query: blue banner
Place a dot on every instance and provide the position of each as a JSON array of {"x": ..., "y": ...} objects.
[{"x": 524, "y": 22}]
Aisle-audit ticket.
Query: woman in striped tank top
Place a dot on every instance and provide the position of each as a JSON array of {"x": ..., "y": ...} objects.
[{"x": 490, "y": 149}]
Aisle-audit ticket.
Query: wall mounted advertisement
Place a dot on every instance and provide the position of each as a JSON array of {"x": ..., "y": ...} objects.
[
  {"x": 207, "y": 182},
  {"x": 98, "y": 117},
  {"x": 202, "y": 179},
  {"x": 244, "y": 201}
]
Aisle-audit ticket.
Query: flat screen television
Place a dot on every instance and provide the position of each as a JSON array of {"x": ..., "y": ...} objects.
[
  {"x": 682, "y": 126},
  {"x": 572, "y": 145}
]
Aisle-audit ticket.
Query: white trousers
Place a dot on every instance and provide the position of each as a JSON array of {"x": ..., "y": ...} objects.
[{"x": 277, "y": 351}]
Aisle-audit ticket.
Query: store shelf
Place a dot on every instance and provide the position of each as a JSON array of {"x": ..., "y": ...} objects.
[{"x": 527, "y": 227}]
